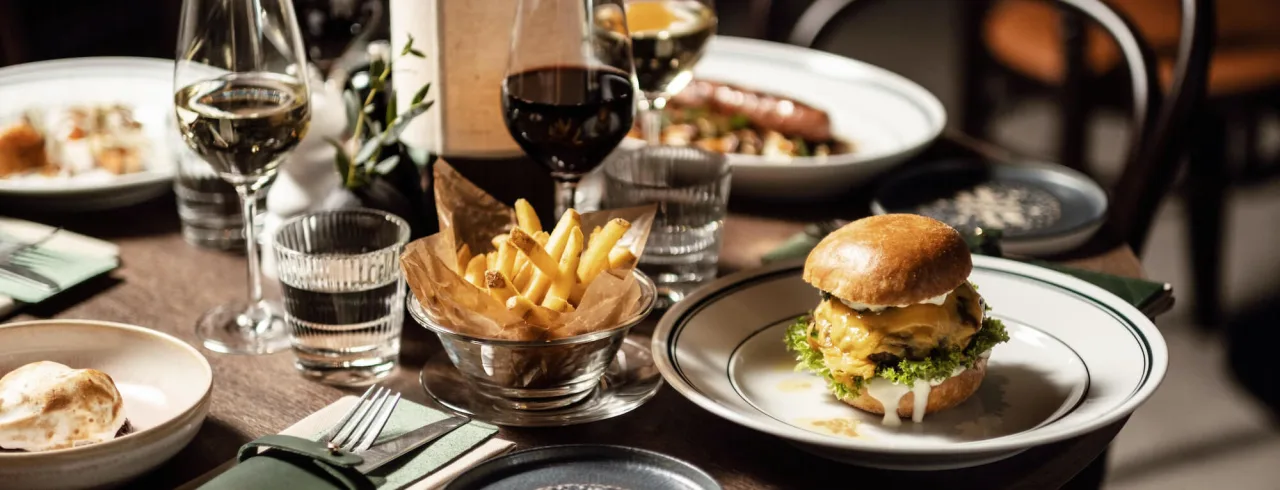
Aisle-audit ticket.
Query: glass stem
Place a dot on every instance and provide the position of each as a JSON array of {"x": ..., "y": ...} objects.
[
  {"x": 651, "y": 121},
  {"x": 566, "y": 195},
  {"x": 249, "y": 207}
]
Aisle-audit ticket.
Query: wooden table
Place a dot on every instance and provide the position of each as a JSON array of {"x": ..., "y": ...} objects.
[{"x": 166, "y": 284}]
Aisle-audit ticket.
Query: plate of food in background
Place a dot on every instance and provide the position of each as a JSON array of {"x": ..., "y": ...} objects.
[
  {"x": 86, "y": 133},
  {"x": 978, "y": 358},
  {"x": 798, "y": 123}
]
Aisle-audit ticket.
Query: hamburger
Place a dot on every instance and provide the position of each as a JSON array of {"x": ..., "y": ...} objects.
[{"x": 899, "y": 330}]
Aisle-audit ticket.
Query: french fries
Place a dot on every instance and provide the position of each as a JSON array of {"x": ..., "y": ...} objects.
[
  {"x": 526, "y": 218},
  {"x": 475, "y": 271},
  {"x": 539, "y": 275},
  {"x": 562, "y": 284},
  {"x": 622, "y": 258},
  {"x": 498, "y": 286},
  {"x": 536, "y": 254},
  {"x": 596, "y": 257},
  {"x": 464, "y": 257}
]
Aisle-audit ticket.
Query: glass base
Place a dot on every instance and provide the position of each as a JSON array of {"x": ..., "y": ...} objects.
[
  {"x": 362, "y": 375},
  {"x": 241, "y": 328},
  {"x": 630, "y": 380},
  {"x": 677, "y": 280}
]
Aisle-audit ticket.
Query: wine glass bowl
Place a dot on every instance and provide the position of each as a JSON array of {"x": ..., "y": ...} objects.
[
  {"x": 567, "y": 95},
  {"x": 242, "y": 103},
  {"x": 668, "y": 38}
]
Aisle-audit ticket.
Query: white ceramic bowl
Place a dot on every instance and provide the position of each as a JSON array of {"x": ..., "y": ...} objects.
[{"x": 165, "y": 383}]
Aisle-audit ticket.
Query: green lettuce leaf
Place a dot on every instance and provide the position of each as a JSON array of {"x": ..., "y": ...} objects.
[
  {"x": 940, "y": 364},
  {"x": 809, "y": 359}
]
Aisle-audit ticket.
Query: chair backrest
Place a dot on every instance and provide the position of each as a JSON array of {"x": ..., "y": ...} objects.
[{"x": 1158, "y": 124}]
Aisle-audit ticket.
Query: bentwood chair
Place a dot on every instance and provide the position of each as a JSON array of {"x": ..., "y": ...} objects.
[
  {"x": 1243, "y": 89},
  {"x": 1159, "y": 124}
]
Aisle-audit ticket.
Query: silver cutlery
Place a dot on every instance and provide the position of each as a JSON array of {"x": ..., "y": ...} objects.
[
  {"x": 29, "y": 276},
  {"x": 362, "y": 424},
  {"x": 9, "y": 248},
  {"x": 18, "y": 258},
  {"x": 392, "y": 449},
  {"x": 360, "y": 427}
]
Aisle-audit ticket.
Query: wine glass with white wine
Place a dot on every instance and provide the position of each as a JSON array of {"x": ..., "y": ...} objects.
[
  {"x": 668, "y": 38},
  {"x": 242, "y": 103}
]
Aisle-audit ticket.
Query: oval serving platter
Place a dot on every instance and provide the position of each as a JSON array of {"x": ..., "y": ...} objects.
[
  {"x": 887, "y": 117},
  {"x": 1079, "y": 358}
]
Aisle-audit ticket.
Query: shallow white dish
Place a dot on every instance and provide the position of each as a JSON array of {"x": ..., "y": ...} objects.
[
  {"x": 887, "y": 117},
  {"x": 165, "y": 383},
  {"x": 145, "y": 84},
  {"x": 1079, "y": 359}
]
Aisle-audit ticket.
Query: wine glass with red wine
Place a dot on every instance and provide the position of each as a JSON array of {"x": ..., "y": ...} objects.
[{"x": 567, "y": 97}]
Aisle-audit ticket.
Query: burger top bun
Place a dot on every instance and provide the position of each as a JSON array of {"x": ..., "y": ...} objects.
[{"x": 889, "y": 260}]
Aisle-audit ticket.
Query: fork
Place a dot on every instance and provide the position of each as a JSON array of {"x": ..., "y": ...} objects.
[
  {"x": 9, "y": 248},
  {"x": 363, "y": 422}
]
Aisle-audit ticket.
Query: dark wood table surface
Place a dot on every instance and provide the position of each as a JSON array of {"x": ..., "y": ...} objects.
[{"x": 165, "y": 284}]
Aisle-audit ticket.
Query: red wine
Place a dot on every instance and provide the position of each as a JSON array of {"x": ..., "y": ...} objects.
[{"x": 568, "y": 117}]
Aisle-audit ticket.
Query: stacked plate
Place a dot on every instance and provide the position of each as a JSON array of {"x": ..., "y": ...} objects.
[{"x": 1078, "y": 360}]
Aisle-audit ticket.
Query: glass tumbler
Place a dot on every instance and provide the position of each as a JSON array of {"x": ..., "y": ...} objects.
[
  {"x": 343, "y": 292},
  {"x": 691, "y": 189},
  {"x": 208, "y": 206}
]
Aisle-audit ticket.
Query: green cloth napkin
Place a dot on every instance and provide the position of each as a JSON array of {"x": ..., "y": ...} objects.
[
  {"x": 63, "y": 267},
  {"x": 1137, "y": 292},
  {"x": 411, "y": 467}
]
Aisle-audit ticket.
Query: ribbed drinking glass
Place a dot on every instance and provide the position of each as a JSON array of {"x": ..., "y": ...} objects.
[{"x": 343, "y": 292}]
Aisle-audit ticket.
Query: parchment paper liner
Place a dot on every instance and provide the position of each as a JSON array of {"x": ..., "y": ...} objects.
[{"x": 469, "y": 215}]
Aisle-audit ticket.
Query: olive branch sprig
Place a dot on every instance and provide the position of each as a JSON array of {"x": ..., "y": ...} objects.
[{"x": 360, "y": 166}]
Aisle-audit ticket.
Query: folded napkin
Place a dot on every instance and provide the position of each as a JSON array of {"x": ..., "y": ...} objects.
[
  {"x": 1140, "y": 293},
  {"x": 444, "y": 458},
  {"x": 66, "y": 258}
]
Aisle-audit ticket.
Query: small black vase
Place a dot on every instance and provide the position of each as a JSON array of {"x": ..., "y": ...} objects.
[{"x": 406, "y": 191}]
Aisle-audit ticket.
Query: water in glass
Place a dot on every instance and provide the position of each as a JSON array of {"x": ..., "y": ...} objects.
[
  {"x": 343, "y": 293},
  {"x": 691, "y": 189}
]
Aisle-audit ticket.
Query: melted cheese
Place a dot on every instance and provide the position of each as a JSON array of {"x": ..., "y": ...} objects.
[{"x": 848, "y": 338}]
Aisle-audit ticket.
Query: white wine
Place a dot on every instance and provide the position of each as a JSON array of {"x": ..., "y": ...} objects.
[
  {"x": 244, "y": 124},
  {"x": 667, "y": 39}
]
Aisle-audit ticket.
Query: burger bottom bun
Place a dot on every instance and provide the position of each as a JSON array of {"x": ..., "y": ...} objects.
[{"x": 954, "y": 391}]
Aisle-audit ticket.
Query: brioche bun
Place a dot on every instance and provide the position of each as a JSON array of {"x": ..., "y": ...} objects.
[
  {"x": 889, "y": 260},
  {"x": 952, "y": 392}
]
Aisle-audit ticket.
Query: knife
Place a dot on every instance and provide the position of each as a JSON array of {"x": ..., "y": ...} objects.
[
  {"x": 30, "y": 275},
  {"x": 382, "y": 453}
]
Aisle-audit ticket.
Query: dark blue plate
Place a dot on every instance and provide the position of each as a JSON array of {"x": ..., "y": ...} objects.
[
  {"x": 584, "y": 467},
  {"x": 1040, "y": 208}
]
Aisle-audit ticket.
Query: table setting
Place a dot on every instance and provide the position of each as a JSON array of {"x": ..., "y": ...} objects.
[{"x": 748, "y": 265}]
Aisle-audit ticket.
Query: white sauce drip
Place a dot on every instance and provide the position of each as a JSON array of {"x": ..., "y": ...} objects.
[
  {"x": 936, "y": 300},
  {"x": 921, "y": 391},
  {"x": 889, "y": 395}
]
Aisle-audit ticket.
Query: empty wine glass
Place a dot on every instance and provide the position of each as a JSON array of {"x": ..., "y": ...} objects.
[{"x": 242, "y": 103}]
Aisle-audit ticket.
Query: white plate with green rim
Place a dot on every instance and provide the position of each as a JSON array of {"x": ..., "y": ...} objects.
[{"x": 1079, "y": 359}]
